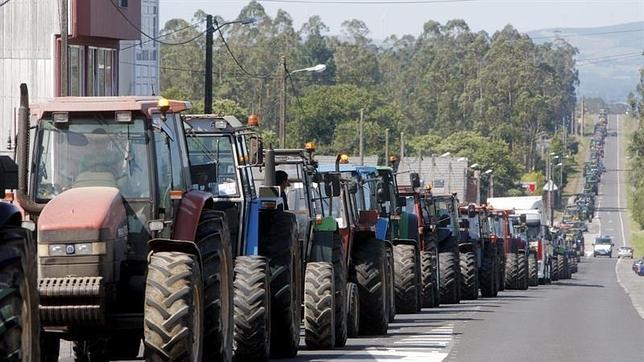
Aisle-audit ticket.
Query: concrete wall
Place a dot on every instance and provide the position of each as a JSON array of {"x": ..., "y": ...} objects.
[{"x": 27, "y": 30}]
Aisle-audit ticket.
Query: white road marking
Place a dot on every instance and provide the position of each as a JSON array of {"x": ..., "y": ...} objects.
[{"x": 396, "y": 354}]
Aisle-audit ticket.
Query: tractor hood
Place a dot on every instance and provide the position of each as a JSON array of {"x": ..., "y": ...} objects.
[{"x": 83, "y": 214}]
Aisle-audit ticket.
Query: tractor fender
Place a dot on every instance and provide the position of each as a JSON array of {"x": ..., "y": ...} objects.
[
  {"x": 185, "y": 246},
  {"x": 10, "y": 214},
  {"x": 405, "y": 242},
  {"x": 189, "y": 213},
  {"x": 466, "y": 247}
]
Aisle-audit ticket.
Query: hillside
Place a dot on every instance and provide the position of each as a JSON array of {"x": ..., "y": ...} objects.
[{"x": 608, "y": 59}]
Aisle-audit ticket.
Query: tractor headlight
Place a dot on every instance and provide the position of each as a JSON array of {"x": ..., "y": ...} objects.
[
  {"x": 56, "y": 250},
  {"x": 72, "y": 249}
]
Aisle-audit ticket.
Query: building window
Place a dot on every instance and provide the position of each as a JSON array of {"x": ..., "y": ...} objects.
[
  {"x": 101, "y": 72},
  {"x": 122, "y": 3},
  {"x": 76, "y": 70}
]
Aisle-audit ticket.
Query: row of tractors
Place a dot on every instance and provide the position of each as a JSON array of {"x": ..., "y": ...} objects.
[{"x": 132, "y": 221}]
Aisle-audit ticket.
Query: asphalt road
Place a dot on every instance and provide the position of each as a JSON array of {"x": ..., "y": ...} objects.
[{"x": 587, "y": 318}]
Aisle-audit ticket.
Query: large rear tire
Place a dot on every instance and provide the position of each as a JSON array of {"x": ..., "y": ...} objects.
[
  {"x": 470, "y": 276},
  {"x": 561, "y": 272},
  {"x": 353, "y": 310},
  {"x": 173, "y": 310},
  {"x": 522, "y": 274},
  {"x": 511, "y": 271},
  {"x": 340, "y": 275},
  {"x": 19, "y": 315},
  {"x": 533, "y": 281},
  {"x": 389, "y": 276},
  {"x": 450, "y": 274},
  {"x": 487, "y": 274},
  {"x": 252, "y": 338},
  {"x": 370, "y": 263},
  {"x": 213, "y": 240},
  {"x": 566, "y": 268},
  {"x": 406, "y": 278},
  {"x": 319, "y": 306},
  {"x": 281, "y": 247},
  {"x": 554, "y": 268},
  {"x": 427, "y": 287}
]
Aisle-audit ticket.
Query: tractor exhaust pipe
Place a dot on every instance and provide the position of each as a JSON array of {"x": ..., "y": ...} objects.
[
  {"x": 22, "y": 154},
  {"x": 269, "y": 167}
]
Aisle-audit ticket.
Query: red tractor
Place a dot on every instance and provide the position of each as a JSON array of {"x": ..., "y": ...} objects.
[{"x": 126, "y": 249}]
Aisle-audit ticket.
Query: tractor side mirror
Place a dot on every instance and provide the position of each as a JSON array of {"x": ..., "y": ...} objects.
[
  {"x": 414, "y": 178},
  {"x": 381, "y": 192},
  {"x": 8, "y": 174},
  {"x": 471, "y": 211},
  {"x": 316, "y": 177},
  {"x": 523, "y": 218},
  {"x": 332, "y": 184},
  {"x": 256, "y": 150},
  {"x": 353, "y": 187}
]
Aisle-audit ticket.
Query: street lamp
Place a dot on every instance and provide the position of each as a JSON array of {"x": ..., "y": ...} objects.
[
  {"x": 491, "y": 185},
  {"x": 210, "y": 31},
  {"x": 285, "y": 73}
]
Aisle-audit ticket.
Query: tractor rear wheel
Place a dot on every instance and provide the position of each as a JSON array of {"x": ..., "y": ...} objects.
[
  {"x": 173, "y": 310},
  {"x": 319, "y": 306},
  {"x": 370, "y": 265},
  {"x": 280, "y": 246},
  {"x": 389, "y": 275},
  {"x": 19, "y": 315},
  {"x": 427, "y": 287},
  {"x": 487, "y": 274},
  {"x": 511, "y": 271},
  {"x": 450, "y": 275},
  {"x": 561, "y": 272},
  {"x": 353, "y": 310},
  {"x": 533, "y": 281},
  {"x": 501, "y": 261},
  {"x": 406, "y": 278},
  {"x": 522, "y": 274},
  {"x": 213, "y": 240},
  {"x": 566, "y": 268},
  {"x": 340, "y": 275},
  {"x": 470, "y": 276},
  {"x": 554, "y": 269},
  {"x": 252, "y": 337}
]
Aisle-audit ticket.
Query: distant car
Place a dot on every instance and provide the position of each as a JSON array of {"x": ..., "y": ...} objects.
[
  {"x": 638, "y": 267},
  {"x": 603, "y": 245},
  {"x": 625, "y": 252}
]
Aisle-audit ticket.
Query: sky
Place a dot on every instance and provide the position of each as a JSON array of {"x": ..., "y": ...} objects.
[{"x": 408, "y": 18}]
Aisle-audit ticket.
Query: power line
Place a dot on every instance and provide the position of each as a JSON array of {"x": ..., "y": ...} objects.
[
  {"x": 135, "y": 27},
  {"x": 367, "y": 2},
  {"x": 230, "y": 52},
  {"x": 611, "y": 56},
  {"x": 4, "y": 3},
  {"x": 297, "y": 96},
  {"x": 168, "y": 34},
  {"x": 587, "y": 34}
]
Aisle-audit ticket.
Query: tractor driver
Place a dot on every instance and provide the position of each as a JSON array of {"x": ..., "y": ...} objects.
[{"x": 281, "y": 179}]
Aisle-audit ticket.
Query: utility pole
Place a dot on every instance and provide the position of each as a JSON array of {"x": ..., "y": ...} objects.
[
  {"x": 477, "y": 176},
  {"x": 207, "y": 101},
  {"x": 282, "y": 124},
  {"x": 402, "y": 145},
  {"x": 64, "y": 25},
  {"x": 491, "y": 191},
  {"x": 361, "y": 137},
  {"x": 386, "y": 145}
]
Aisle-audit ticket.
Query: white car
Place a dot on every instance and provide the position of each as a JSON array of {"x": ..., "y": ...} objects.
[
  {"x": 625, "y": 252},
  {"x": 603, "y": 245}
]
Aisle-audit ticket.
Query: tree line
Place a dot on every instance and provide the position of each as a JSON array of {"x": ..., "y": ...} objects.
[
  {"x": 490, "y": 97},
  {"x": 636, "y": 154}
]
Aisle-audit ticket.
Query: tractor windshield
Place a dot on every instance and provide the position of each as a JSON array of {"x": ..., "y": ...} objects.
[
  {"x": 92, "y": 150},
  {"x": 212, "y": 165}
]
